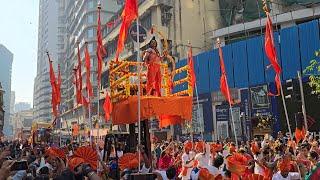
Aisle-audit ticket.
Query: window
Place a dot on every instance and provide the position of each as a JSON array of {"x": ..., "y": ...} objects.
[
  {"x": 90, "y": 18},
  {"x": 90, "y": 4},
  {"x": 90, "y": 33},
  {"x": 90, "y": 47}
]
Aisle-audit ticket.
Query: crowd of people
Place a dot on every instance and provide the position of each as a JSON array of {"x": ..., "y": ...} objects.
[{"x": 268, "y": 158}]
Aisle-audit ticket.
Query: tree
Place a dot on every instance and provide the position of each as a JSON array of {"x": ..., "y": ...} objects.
[{"x": 313, "y": 71}]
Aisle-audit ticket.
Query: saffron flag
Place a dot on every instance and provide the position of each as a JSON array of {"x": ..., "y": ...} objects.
[
  {"x": 53, "y": 88},
  {"x": 101, "y": 51},
  {"x": 223, "y": 79},
  {"x": 107, "y": 107},
  {"x": 79, "y": 90},
  {"x": 129, "y": 14},
  {"x": 300, "y": 131},
  {"x": 76, "y": 83},
  {"x": 88, "y": 66},
  {"x": 271, "y": 53},
  {"x": 191, "y": 66}
]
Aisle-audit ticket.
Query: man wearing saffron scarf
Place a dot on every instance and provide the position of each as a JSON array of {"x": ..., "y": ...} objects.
[{"x": 187, "y": 161}]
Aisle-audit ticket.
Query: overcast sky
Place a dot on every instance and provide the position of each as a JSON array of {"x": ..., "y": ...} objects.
[{"x": 18, "y": 32}]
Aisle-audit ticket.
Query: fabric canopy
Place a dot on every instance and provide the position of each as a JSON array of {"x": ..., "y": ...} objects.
[{"x": 126, "y": 111}]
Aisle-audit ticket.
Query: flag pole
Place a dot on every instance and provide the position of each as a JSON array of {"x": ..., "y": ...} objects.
[
  {"x": 139, "y": 93},
  {"x": 60, "y": 121},
  {"x": 230, "y": 106},
  {"x": 90, "y": 119},
  {"x": 303, "y": 101}
]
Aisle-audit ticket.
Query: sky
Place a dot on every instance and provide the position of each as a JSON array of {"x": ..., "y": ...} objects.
[{"x": 18, "y": 32}]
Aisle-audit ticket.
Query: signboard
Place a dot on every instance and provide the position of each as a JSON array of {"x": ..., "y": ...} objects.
[
  {"x": 260, "y": 101},
  {"x": 259, "y": 97},
  {"x": 222, "y": 112},
  {"x": 237, "y": 121},
  {"x": 142, "y": 33},
  {"x": 244, "y": 108},
  {"x": 197, "y": 118},
  {"x": 218, "y": 97},
  {"x": 223, "y": 129}
]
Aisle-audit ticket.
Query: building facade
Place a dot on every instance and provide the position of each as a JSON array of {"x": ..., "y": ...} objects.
[
  {"x": 22, "y": 122},
  {"x": 47, "y": 42},
  {"x": 80, "y": 27},
  {"x": 21, "y": 106},
  {"x": 6, "y": 59},
  {"x": 296, "y": 36},
  {"x": 1, "y": 109}
]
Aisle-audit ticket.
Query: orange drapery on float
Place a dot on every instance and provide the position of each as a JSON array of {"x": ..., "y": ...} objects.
[{"x": 177, "y": 106}]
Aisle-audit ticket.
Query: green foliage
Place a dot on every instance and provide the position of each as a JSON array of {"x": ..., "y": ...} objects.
[{"x": 313, "y": 70}]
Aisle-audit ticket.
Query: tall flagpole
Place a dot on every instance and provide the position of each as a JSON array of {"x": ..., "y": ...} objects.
[
  {"x": 139, "y": 93},
  {"x": 230, "y": 106},
  {"x": 303, "y": 106},
  {"x": 98, "y": 100},
  {"x": 98, "y": 90},
  {"x": 90, "y": 119}
]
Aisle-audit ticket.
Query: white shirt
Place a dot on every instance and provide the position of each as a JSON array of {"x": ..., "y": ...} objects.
[
  {"x": 214, "y": 171},
  {"x": 291, "y": 176},
  {"x": 187, "y": 157},
  {"x": 258, "y": 169},
  {"x": 163, "y": 174},
  {"x": 203, "y": 159}
]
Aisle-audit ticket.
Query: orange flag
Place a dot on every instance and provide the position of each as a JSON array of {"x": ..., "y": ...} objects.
[
  {"x": 190, "y": 63},
  {"x": 223, "y": 79},
  {"x": 107, "y": 107},
  {"x": 88, "y": 66},
  {"x": 54, "y": 100},
  {"x": 271, "y": 53},
  {"x": 79, "y": 90},
  {"x": 129, "y": 14},
  {"x": 76, "y": 83},
  {"x": 101, "y": 51}
]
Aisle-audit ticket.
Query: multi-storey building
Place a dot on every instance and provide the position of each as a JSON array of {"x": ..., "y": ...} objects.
[
  {"x": 22, "y": 121},
  {"x": 1, "y": 110},
  {"x": 80, "y": 26},
  {"x": 6, "y": 59},
  {"x": 180, "y": 21},
  {"x": 47, "y": 42},
  {"x": 21, "y": 106}
]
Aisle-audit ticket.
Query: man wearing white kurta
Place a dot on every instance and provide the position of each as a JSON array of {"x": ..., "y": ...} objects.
[{"x": 187, "y": 161}]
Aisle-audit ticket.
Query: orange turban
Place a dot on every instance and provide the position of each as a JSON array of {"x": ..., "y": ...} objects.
[
  {"x": 200, "y": 146},
  {"x": 216, "y": 147},
  {"x": 89, "y": 154},
  {"x": 128, "y": 161},
  {"x": 204, "y": 174},
  {"x": 55, "y": 152},
  {"x": 255, "y": 148},
  {"x": 237, "y": 164},
  {"x": 188, "y": 146},
  {"x": 75, "y": 162},
  {"x": 284, "y": 165}
]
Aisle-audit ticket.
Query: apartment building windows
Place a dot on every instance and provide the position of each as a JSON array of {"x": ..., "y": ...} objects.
[
  {"x": 112, "y": 47},
  {"x": 90, "y": 4},
  {"x": 90, "y": 47},
  {"x": 90, "y": 33},
  {"x": 90, "y": 18}
]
